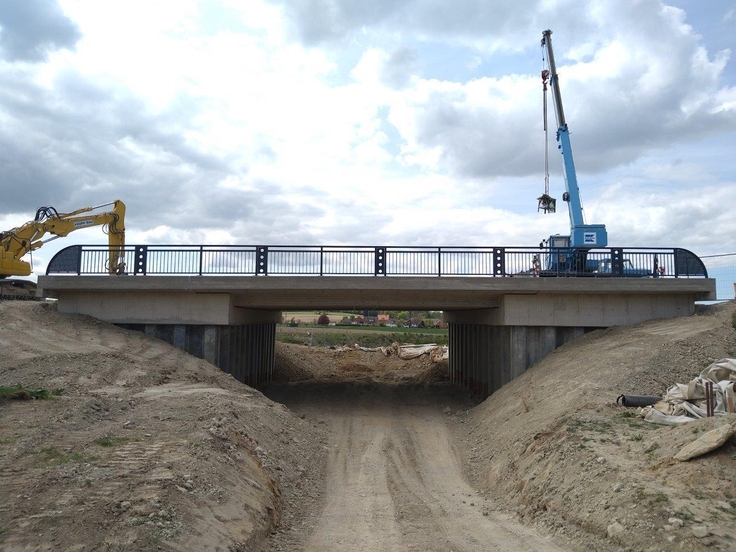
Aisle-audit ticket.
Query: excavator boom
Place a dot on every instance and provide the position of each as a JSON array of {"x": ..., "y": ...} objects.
[{"x": 16, "y": 243}]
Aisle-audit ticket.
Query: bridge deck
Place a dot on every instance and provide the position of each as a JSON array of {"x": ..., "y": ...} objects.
[{"x": 381, "y": 293}]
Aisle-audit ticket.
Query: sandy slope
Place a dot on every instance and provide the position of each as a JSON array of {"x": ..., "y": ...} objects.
[
  {"x": 553, "y": 447},
  {"x": 148, "y": 448}
]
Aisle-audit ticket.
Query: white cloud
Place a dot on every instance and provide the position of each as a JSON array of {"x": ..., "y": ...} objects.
[{"x": 274, "y": 122}]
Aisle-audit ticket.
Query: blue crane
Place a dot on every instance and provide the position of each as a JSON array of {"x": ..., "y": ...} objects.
[{"x": 567, "y": 253}]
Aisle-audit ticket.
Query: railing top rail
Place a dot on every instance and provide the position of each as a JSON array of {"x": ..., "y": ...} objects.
[{"x": 388, "y": 247}]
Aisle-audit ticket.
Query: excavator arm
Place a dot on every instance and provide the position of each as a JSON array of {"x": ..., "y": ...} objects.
[{"x": 16, "y": 243}]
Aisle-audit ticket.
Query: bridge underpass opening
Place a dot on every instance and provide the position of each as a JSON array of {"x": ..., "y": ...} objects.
[{"x": 482, "y": 358}]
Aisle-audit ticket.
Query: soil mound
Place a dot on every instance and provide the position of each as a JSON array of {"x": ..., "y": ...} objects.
[
  {"x": 554, "y": 447},
  {"x": 140, "y": 446}
]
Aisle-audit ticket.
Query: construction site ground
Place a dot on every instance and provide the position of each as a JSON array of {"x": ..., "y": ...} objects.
[{"x": 143, "y": 447}]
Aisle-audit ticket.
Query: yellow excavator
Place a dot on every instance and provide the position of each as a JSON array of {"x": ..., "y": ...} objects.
[{"x": 15, "y": 243}]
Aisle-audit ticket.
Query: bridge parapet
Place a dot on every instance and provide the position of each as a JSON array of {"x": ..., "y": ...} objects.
[{"x": 302, "y": 260}]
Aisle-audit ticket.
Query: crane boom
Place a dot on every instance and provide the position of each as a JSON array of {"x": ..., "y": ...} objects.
[{"x": 582, "y": 236}]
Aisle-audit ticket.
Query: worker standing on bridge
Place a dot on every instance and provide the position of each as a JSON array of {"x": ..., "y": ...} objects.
[{"x": 536, "y": 265}]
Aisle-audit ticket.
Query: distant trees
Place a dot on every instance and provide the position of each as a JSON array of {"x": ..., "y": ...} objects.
[{"x": 323, "y": 320}]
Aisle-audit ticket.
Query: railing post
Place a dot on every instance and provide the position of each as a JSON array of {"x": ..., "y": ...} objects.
[
  {"x": 201, "y": 258},
  {"x": 380, "y": 262},
  {"x": 439, "y": 261},
  {"x": 499, "y": 261},
  {"x": 262, "y": 260},
  {"x": 79, "y": 261},
  {"x": 617, "y": 262},
  {"x": 141, "y": 259},
  {"x": 321, "y": 260}
]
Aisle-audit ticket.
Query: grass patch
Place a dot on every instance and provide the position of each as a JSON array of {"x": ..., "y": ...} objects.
[
  {"x": 23, "y": 394},
  {"x": 433, "y": 331},
  {"x": 111, "y": 441},
  {"x": 590, "y": 426},
  {"x": 638, "y": 424},
  {"x": 54, "y": 457},
  {"x": 637, "y": 437},
  {"x": 634, "y": 421}
]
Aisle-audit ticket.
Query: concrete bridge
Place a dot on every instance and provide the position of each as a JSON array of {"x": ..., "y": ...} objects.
[{"x": 499, "y": 324}]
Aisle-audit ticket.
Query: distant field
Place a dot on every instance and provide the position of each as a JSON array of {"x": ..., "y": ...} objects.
[
  {"x": 311, "y": 317},
  {"x": 362, "y": 329},
  {"x": 366, "y": 336}
]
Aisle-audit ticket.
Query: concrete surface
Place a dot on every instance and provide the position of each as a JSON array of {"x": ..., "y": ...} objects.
[{"x": 277, "y": 293}]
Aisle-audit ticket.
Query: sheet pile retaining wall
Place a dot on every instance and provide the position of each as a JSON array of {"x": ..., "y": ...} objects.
[
  {"x": 246, "y": 351},
  {"x": 483, "y": 358}
]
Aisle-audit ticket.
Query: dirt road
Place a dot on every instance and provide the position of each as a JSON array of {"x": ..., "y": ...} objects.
[{"x": 394, "y": 480}]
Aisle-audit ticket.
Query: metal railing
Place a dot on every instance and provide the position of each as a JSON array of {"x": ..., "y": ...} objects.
[{"x": 305, "y": 260}]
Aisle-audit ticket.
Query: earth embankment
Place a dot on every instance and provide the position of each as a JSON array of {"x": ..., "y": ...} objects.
[{"x": 143, "y": 447}]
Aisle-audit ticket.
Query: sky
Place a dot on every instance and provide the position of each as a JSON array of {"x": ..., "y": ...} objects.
[{"x": 326, "y": 122}]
